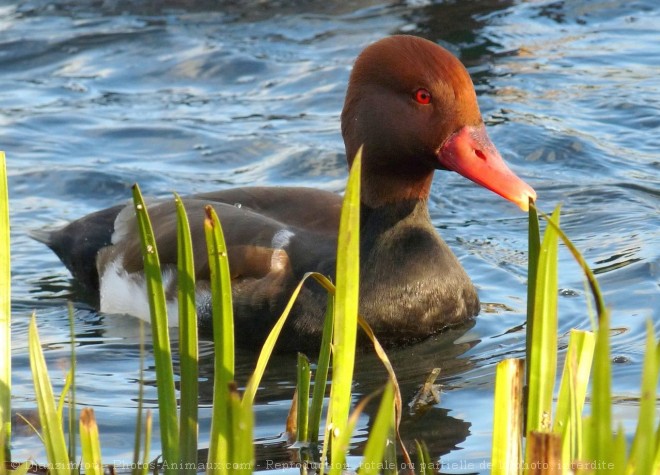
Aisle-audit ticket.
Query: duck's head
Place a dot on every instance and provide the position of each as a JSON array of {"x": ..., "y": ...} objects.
[{"x": 412, "y": 106}]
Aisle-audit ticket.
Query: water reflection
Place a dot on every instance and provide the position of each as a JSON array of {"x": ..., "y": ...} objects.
[{"x": 434, "y": 424}]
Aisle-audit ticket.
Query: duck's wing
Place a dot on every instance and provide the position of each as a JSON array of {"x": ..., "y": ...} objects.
[
  {"x": 306, "y": 208},
  {"x": 259, "y": 223}
]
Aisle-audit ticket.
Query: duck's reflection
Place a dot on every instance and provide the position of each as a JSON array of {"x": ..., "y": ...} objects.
[{"x": 430, "y": 422}]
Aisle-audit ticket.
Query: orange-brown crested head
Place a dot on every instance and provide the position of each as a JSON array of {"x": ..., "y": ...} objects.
[{"x": 412, "y": 106}]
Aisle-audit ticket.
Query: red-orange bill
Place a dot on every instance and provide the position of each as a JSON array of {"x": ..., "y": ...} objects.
[{"x": 471, "y": 153}]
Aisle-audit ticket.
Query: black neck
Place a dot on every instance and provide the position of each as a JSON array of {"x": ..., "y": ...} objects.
[{"x": 376, "y": 221}]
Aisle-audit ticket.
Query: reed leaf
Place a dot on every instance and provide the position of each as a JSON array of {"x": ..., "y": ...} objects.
[
  {"x": 269, "y": 345},
  {"x": 390, "y": 460},
  {"x": 380, "y": 352},
  {"x": 656, "y": 456},
  {"x": 587, "y": 438},
  {"x": 346, "y": 312},
  {"x": 68, "y": 379},
  {"x": 542, "y": 362},
  {"x": 52, "y": 432},
  {"x": 601, "y": 396},
  {"x": 591, "y": 277},
  {"x": 3, "y": 455},
  {"x": 619, "y": 455},
  {"x": 425, "y": 465},
  {"x": 321, "y": 373},
  {"x": 533, "y": 250},
  {"x": 5, "y": 313},
  {"x": 326, "y": 442},
  {"x": 304, "y": 377},
  {"x": 223, "y": 337},
  {"x": 242, "y": 448},
  {"x": 223, "y": 312},
  {"x": 344, "y": 438},
  {"x": 89, "y": 443},
  {"x": 573, "y": 391},
  {"x": 188, "y": 344},
  {"x": 642, "y": 452},
  {"x": 382, "y": 427},
  {"x": 72, "y": 390},
  {"x": 508, "y": 417},
  {"x": 167, "y": 403}
]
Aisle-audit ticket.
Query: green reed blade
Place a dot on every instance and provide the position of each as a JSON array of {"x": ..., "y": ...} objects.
[
  {"x": 381, "y": 429},
  {"x": 3, "y": 469},
  {"x": 52, "y": 431},
  {"x": 72, "y": 392},
  {"x": 89, "y": 443},
  {"x": 601, "y": 395},
  {"x": 5, "y": 312},
  {"x": 656, "y": 456},
  {"x": 167, "y": 404},
  {"x": 425, "y": 465},
  {"x": 344, "y": 439},
  {"x": 242, "y": 448},
  {"x": 390, "y": 461},
  {"x": 223, "y": 337},
  {"x": 269, "y": 345},
  {"x": 304, "y": 377},
  {"x": 591, "y": 278},
  {"x": 542, "y": 360},
  {"x": 642, "y": 452},
  {"x": 188, "y": 346},
  {"x": 587, "y": 438},
  {"x": 223, "y": 312},
  {"x": 619, "y": 450},
  {"x": 398, "y": 402},
  {"x": 69, "y": 382},
  {"x": 533, "y": 250},
  {"x": 573, "y": 391},
  {"x": 62, "y": 399},
  {"x": 321, "y": 373},
  {"x": 326, "y": 441},
  {"x": 346, "y": 311},
  {"x": 508, "y": 416}
]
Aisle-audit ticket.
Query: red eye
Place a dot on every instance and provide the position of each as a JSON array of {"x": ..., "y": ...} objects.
[{"x": 423, "y": 96}]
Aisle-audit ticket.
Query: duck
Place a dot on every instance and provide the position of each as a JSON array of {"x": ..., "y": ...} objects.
[{"x": 411, "y": 108}]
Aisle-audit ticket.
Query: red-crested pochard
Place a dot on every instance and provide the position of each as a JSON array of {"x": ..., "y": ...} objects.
[{"x": 412, "y": 106}]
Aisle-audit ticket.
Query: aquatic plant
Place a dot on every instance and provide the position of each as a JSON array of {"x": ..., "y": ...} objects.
[
  {"x": 5, "y": 315},
  {"x": 567, "y": 442}
]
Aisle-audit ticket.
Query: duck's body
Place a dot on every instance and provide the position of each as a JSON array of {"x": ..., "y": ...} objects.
[{"x": 413, "y": 108}]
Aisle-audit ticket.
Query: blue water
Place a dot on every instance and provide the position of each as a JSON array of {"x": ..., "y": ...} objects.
[{"x": 195, "y": 96}]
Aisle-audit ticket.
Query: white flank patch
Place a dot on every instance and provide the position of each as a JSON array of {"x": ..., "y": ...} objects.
[
  {"x": 125, "y": 293},
  {"x": 280, "y": 259},
  {"x": 282, "y": 238}
]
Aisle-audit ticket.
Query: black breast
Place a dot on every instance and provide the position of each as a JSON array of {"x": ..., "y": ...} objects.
[{"x": 412, "y": 284}]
